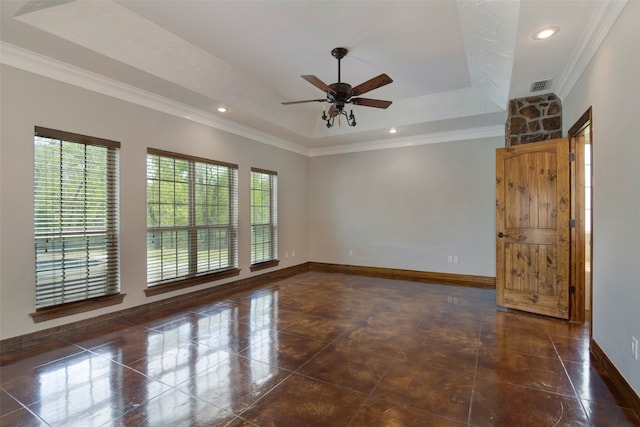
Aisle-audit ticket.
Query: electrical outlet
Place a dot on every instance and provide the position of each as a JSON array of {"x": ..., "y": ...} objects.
[
  {"x": 450, "y": 258},
  {"x": 455, "y": 259},
  {"x": 293, "y": 253},
  {"x": 350, "y": 252},
  {"x": 634, "y": 347}
]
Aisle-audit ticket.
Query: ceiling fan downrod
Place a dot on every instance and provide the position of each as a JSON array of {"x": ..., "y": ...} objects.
[
  {"x": 339, "y": 53},
  {"x": 337, "y": 109}
]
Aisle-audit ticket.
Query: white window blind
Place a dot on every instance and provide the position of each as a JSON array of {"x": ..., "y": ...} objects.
[
  {"x": 264, "y": 216},
  {"x": 192, "y": 217},
  {"x": 76, "y": 217}
]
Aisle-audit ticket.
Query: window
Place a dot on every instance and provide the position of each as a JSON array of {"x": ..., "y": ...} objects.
[
  {"x": 76, "y": 218},
  {"x": 192, "y": 220},
  {"x": 264, "y": 218}
]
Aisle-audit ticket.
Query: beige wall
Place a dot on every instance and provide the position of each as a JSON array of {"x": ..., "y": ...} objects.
[
  {"x": 407, "y": 208},
  {"x": 29, "y": 100},
  {"x": 610, "y": 86}
]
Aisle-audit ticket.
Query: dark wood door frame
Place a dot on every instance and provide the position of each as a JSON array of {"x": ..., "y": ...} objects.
[{"x": 578, "y": 280}]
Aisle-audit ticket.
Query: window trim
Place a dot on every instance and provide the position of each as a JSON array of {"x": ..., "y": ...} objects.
[
  {"x": 170, "y": 285},
  {"x": 264, "y": 264},
  {"x": 273, "y": 221},
  {"x": 67, "y": 309},
  {"x": 112, "y": 193},
  {"x": 163, "y": 288},
  {"x": 158, "y": 152}
]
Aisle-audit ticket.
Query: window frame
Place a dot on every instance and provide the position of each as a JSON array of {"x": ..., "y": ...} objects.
[
  {"x": 272, "y": 221},
  {"x": 193, "y": 277},
  {"x": 75, "y": 282}
]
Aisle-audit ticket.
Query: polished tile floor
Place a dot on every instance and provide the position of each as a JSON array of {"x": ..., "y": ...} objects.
[{"x": 317, "y": 349}]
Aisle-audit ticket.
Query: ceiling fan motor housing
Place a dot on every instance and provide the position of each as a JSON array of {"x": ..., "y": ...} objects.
[{"x": 340, "y": 94}]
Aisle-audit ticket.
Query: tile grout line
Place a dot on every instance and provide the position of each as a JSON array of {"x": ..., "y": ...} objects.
[
  {"x": 291, "y": 373},
  {"x": 23, "y": 406},
  {"x": 475, "y": 370},
  {"x": 317, "y": 353},
  {"x": 244, "y": 410},
  {"x": 566, "y": 372},
  {"x": 391, "y": 363}
]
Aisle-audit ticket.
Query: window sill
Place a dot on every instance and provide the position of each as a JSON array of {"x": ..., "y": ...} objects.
[
  {"x": 263, "y": 265},
  {"x": 63, "y": 310},
  {"x": 186, "y": 283}
]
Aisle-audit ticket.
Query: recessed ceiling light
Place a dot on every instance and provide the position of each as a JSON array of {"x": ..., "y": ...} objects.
[
  {"x": 222, "y": 110},
  {"x": 545, "y": 33},
  {"x": 393, "y": 130}
]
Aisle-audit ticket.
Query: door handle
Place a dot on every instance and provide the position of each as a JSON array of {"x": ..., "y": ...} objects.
[{"x": 501, "y": 235}]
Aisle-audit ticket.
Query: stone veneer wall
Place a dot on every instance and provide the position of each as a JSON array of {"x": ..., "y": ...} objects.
[{"x": 532, "y": 119}]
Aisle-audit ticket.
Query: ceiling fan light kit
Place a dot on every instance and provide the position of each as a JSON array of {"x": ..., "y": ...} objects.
[{"x": 339, "y": 94}]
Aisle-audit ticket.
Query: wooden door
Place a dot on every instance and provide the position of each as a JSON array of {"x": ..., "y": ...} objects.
[{"x": 532, "y": 225}]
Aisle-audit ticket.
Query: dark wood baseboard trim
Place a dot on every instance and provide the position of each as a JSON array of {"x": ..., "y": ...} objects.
[
  {"x": 16, "y": 343},
  {"x": 22, "y": 341},
  {"x": 617, "y": 380},
  {"x": 484, "y": 282}
]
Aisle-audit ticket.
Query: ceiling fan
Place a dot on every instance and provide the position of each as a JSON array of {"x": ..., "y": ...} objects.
[{"x": 339, "y": 94}]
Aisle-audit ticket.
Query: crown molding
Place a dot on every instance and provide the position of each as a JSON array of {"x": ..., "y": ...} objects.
[
  {"x": 432, "y": 138},
  {"x": 42, "y": 65},
  {"x": 45, "y": 66},
  {"x": 596, "y": 30}
]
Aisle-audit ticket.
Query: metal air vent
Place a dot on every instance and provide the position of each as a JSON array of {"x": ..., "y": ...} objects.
[{"x": 541, "y": 85}]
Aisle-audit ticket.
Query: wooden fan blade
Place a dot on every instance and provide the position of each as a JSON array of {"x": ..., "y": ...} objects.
[
  {"x": 376, "y": 103},
  {"x": 302, "y": 102},
  {"x": 318, "y": 83},
  {"x": 369, "y": 85}
]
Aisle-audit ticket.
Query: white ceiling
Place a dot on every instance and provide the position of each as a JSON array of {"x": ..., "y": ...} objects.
[{"x": 455, "y": 64}]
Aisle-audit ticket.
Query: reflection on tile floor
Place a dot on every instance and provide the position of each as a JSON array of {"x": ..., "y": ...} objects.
[{"x": 317, "y": 349}]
